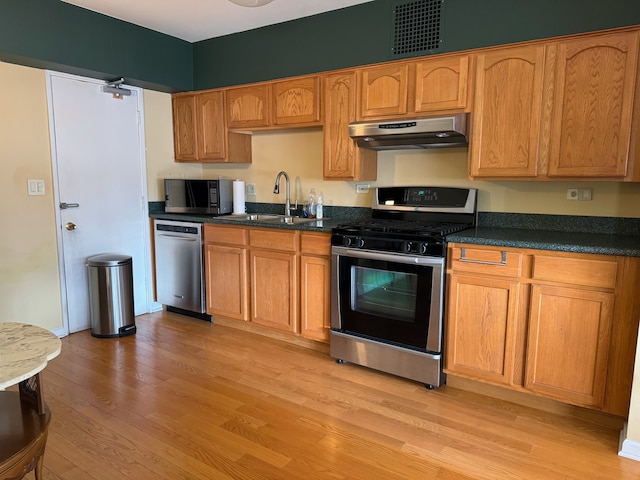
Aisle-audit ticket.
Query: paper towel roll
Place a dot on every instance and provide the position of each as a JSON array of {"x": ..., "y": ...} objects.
[{"x": 238, "y": 197}]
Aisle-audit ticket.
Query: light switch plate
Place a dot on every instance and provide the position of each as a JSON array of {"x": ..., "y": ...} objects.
[{"x": 35, "y": 186}]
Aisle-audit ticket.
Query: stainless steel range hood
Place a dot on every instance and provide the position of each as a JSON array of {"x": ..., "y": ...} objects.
[{"x": 435, "y": 132}]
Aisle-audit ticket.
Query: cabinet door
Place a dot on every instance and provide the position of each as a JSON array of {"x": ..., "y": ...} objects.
[
  {"x": 274, "y": 289},
  {"x": 568, "y": 347},
  {"x": 383, "y": 91},
  {"x": 482, "y": 329},
  {"x": 296, "y": 101},
  {"x": 247, "y": 107},
  {"x": 227, "y": 285},
  {"x": 315, "y": 277},
  {"x": 184, "y": 128},
  {"x": 343, "y": 160},
  {"x": 441, "y": 84},
  {"x": 315, "y": 281},
  {"x": 593, "y": 106},
  {"x": 506, "y": 120},
  {"x": 211, "y": 127}
]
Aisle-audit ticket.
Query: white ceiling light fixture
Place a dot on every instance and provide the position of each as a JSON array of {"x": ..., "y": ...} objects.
[{"x": 251, "y": 3}]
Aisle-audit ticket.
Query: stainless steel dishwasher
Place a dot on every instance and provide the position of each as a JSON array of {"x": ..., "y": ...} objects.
[{"x": 179, "y": 268}]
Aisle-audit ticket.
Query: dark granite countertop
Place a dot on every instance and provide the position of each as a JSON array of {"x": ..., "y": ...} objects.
[
  {"x": 578, "y": 242},
  {"x": 565, "y": 233}
]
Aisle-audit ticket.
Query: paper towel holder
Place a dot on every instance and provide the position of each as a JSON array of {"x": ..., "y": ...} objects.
[{"x": 239, "y": 206}]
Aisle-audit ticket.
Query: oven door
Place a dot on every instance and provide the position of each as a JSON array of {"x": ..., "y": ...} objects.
[{"x": 391, "y": 298}]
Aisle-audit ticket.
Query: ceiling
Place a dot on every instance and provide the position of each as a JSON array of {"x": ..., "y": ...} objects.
[{"x": 195, "y": 20}]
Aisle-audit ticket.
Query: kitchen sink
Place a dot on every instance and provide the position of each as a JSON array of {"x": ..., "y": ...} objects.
[
  {"x": 253, "y": 217},
  {"x": 268, "y": 218}
]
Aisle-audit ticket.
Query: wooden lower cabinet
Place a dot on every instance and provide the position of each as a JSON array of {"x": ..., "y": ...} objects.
[
  {"x": 227, "y": 281},
  {"x": 559, "y": 325},
  {"x": 226, "y": 268},
  {"x": 271, "y": 277},
  {"x": 274, "y": 285},
  {"x": 482, "y": 326},
  {"x": 274, "y": 278},
  {"x": 315, "y": 284},
  {"x": 569, "y": 341}
]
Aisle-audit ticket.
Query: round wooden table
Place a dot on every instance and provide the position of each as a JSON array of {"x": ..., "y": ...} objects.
[{"x": 24, "y": 416}]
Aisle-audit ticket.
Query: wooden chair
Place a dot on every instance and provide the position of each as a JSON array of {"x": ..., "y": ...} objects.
[{"x": 24, "y": 424}]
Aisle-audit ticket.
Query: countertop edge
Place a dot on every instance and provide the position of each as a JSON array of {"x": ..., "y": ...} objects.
[{"x": 599, "y": 244}]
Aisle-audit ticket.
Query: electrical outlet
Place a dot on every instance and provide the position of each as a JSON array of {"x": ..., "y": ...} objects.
[
  {"x": 35, "y": 186},
  {"x": 362, "y": 188},
  {"x": 582, "y": 194},
  {"x": 251, "y": 188}
]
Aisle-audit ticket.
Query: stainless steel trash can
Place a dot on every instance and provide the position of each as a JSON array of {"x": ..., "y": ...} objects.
[{"x": 111, "y": 295}]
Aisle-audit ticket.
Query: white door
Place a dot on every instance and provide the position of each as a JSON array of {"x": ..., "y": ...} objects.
[{"x": 98, "y": 160}]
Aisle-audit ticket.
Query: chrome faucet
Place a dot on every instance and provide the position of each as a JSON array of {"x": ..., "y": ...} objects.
[{"x": 276, "y": 190}]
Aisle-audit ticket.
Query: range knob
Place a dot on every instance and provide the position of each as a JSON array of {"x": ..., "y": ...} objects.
[
  {"x": 348, "y": 241},
  {"x": 407, "y": 247},
  {"x": 360, "y": 242},
  {"x": 423, "y": 249}
]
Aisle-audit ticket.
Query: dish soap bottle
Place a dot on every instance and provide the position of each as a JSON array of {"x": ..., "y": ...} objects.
[
  {"x": 309, "y": 208},
  {"x": 319, "y": 207}
]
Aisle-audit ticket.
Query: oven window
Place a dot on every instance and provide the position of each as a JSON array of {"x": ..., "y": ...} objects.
[
  {"x": 387, "y": 294},
  {"x": 385, "y": 301}
]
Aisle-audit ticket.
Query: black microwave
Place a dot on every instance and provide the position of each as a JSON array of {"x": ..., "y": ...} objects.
[{"x": 209, "y": 197}]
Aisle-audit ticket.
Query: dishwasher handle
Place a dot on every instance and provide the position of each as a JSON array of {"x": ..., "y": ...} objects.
[{"x": 188, "y": 237}]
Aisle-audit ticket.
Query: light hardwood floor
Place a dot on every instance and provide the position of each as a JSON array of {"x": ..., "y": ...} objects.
[{"x": 185, "y": 399}]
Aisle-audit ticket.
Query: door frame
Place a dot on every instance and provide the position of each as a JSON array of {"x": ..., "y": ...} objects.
[{"x": 146, "y": 234}]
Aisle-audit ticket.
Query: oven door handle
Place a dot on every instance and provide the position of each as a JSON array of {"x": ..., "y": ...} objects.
[{"x": 387, "y": 257}]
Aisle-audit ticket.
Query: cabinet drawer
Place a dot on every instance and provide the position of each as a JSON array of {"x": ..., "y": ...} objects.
[
  {"x": 316, "y": 243},
  {"x": 228, "y": 235},
  {"x": 274, "y": 239},
  {"x": 591, "y": 272},
  {"x": 493, "y": 261}
]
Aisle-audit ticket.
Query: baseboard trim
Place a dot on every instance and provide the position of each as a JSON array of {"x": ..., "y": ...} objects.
[
  {"x": 527, "y": 399},
  {"x": 272, "y": 333},
  {"x": 628, "y": 448}
]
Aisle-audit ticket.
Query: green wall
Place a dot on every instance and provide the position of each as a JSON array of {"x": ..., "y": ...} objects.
[
  {"x": 361, "y": 35},
  {"x": 59, "y": 36},
  {"x": 341, "y": 38},
  {"x": 56, "y": 35}
]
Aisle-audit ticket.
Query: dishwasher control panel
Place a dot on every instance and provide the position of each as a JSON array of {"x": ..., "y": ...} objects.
[{"x": 177, "y": 229}]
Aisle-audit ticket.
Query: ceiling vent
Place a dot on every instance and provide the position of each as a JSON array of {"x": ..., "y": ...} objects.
[{"x": 417, "y": 27}]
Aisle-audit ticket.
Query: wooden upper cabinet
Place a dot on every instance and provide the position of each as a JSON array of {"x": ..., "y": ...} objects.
[
  {"x": 343, "y": 160},
  {"x": 593, "y": 105},
  {"x": 211, "y": 126},
  {"x": 248, "y": 107},
  {"x": 200, "y": 133},
  {"x": 441, "y": 84},
  {"x": 507, "y": 112},
  {"x": 383, "y": 91},
  {"x": 296, "y": 101},
  {"x": 184, "y": 128}
]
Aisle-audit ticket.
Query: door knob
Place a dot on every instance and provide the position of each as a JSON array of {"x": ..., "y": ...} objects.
[{"x": 70, "y": 226}]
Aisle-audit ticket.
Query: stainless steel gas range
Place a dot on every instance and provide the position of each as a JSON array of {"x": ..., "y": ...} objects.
[{"x": 387, "y": 289}]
